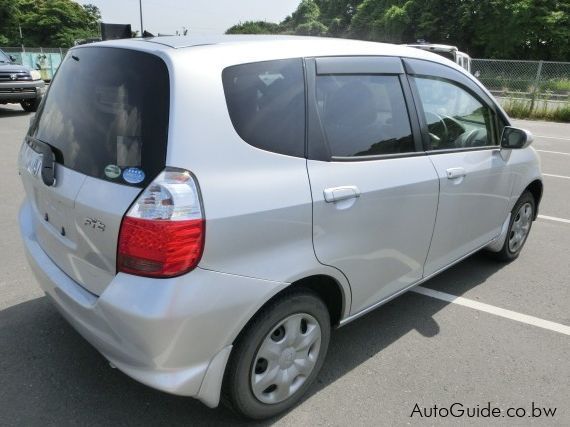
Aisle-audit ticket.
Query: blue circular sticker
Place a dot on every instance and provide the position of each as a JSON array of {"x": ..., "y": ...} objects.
[{"x": 133, "y": 175}]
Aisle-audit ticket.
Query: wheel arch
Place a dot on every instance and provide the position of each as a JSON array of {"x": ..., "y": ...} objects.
[
  {"x": 535, "y": 188},
  {"x": 325, "y": 286},
  {"x": 329, "y": 290}
]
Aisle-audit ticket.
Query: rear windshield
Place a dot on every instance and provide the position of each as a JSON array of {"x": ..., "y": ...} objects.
[{"x": 106, "y": 114}]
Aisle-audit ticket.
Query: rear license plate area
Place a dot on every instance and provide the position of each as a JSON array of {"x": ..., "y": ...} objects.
[{"x": 53, "y": 213}]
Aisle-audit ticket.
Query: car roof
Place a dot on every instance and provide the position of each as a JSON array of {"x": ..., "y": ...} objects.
[
  {"x": 253, "y": 48},
  {"x": 179, "y": 42},
  {"x": 308, "y": 45}
]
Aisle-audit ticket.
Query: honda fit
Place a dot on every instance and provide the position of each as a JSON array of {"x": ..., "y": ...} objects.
[{"x": 204, "y": 211}]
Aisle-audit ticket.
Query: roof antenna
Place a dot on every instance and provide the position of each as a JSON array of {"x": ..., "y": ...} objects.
[{"x": 140, "y": 8}]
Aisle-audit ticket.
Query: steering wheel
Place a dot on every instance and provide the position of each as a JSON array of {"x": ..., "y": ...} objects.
[
  {"x": 471, "y": 138},
  {"x": 439, "y": 120},
  {"x": 454, "y": 121},
  {"x": 457, "y": 131}
]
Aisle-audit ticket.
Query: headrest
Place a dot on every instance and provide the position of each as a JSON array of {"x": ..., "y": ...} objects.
[{"x": 351, "y": 105}]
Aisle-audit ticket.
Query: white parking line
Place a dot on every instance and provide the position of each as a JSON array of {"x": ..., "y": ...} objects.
[
  {"x": 556, "y": 176},
  {"x": 497, "y": 311},
  {"x": 553, "y": 218},
  {"x": 553, "y": 152},
  {"x": 552, "y": 137}
]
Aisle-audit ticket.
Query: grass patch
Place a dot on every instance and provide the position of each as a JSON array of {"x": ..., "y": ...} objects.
[
  {"x": 527, "y": 84},
  {"x": 559, "y": 86},
  {"x": 538, "y": 110}
]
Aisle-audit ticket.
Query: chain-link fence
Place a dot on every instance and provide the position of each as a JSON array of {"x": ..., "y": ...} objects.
[
  {"x": 46, "y": 60},
  {"x": 532, "y": 80}
]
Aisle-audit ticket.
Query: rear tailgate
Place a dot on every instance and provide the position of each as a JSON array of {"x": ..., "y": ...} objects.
[{"x": 105, "y": 119}]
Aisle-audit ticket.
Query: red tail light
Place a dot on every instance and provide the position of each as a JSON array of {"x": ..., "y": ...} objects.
[{"x": 162, "y": 235}]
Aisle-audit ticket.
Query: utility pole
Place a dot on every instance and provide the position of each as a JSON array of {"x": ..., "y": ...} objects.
[
  {"x": 21, "y": 38},
  {"x": 140, "y": 7}
]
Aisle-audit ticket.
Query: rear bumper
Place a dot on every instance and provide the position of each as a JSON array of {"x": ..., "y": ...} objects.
[
  {"x": 18, "y": 90},
  {"x": 174, "y": 335}
]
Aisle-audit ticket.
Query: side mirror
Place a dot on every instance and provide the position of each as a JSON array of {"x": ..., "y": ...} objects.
[
  {"x": 514, "y": 138},
  {"x": 12, "y": 58}
]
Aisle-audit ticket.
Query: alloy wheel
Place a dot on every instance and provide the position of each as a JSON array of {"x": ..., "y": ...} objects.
[{"x": 521, "y": 227}]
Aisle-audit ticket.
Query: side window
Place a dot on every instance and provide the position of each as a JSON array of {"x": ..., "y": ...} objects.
[
  {"x": 266, "y": 102},
  {"x": 363, "y": 115},
  {"x": 455, "y": 118}
]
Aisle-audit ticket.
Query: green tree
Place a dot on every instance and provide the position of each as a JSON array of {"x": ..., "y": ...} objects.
[
  {"x": 50, "y": 23},
  {"x": 337, "y": 14},
  {"x": 312, "y": 28},
  {"x": 381, "y": 20},
  {"x": 521, "y": 29},
  {"x": 307, "y": 12},
  {"x": 8, "y": 21},
  {"x": 254, "y": 27},
  {"x": 306, "y": 20}
]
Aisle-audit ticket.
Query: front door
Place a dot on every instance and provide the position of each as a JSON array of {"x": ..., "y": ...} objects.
[{"x": 475, "y": 180}]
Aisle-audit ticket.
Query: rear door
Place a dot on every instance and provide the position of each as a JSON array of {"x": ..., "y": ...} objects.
[
  {"x": 105, "y": 121},
  {"x": 462, "y": 138},
  {"x": 374, "y": 189}
]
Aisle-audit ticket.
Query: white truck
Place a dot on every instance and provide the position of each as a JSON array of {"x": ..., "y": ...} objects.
[{"x": 447, "y": 51}]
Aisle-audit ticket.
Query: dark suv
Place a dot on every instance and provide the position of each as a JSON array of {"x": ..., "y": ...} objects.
[{"x": 19, "y": 84}]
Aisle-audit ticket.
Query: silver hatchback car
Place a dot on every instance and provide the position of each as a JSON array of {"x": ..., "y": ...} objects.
[{"x": 203, "y": 211}]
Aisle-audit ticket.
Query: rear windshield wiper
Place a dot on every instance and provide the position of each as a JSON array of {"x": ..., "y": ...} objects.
[{"x": 48, "y": 160}]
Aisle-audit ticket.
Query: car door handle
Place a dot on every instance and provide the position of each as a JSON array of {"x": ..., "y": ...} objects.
[
  {"x": 454, "y": 173},
  {"x": 336, "y": 194}
]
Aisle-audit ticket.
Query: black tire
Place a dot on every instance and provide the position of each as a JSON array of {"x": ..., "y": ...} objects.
[
  {"x": 32, "y": 105},
  {"x": 237, "y": 391},
  {"x": 508, "y": 254}
]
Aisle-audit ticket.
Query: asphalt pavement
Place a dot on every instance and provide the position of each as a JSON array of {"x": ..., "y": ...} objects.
[{"x": 415, "y": 352}]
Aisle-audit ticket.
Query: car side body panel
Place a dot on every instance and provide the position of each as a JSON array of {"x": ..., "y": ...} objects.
[{"x": 257, "y": 203}]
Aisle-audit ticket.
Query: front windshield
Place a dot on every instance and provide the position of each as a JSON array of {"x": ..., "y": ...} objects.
[{"x": 4, "y": 57}]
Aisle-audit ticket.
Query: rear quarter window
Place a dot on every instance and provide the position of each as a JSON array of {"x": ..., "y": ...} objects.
[
  {"x": 106, "y": 113},
  {"x": 266, "y": 104}
]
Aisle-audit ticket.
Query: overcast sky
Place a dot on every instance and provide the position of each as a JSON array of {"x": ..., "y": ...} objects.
[{"x": 200, "y": 16}]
